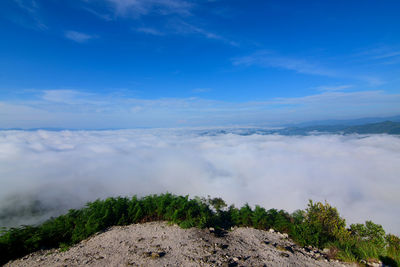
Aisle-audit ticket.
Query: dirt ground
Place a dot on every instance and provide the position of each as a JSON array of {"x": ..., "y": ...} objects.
[{"x": 160, "y": 244}]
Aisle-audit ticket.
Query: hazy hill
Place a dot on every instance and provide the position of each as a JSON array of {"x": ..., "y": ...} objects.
[
  {"x": 386, "y": 127},
  {"x": 350, "y": 122}
]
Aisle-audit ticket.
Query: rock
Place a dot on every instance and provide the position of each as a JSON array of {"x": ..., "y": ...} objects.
[
  {"x": 271, "y": 230},
  {"x": 223, "y": 246},
  {"x": 154, "y": 255},
  {"x": 326, "y": 250},
  {"x": 229, "y": 264},
  {"x": 289, "y": 248},
  {"x": 283, "y": 254}
]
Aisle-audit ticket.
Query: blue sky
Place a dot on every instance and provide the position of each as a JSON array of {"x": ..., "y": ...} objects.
[{"x": 170, "y": 63}]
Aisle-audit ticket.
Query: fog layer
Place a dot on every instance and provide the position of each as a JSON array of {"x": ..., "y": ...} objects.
[{"x": 61, "y": 170}]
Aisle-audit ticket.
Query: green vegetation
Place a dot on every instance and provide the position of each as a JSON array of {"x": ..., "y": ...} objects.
[{"x": 319, "y": 225}]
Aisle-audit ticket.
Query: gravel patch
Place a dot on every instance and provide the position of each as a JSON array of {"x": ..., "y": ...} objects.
[{"x": 161, "y": 244}]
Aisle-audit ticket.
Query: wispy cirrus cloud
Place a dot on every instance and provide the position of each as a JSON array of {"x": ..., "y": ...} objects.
[
  {"x": 31, "y": 6},
  {"x": 201, "y": 90},
  {"x": 357, "y": 98},
  {"x": 103, "y": 16},
  {"x": 183, "y": 28},
  {"x": 69, "y": 97},
  {"x": 31, "y": 12},
  {"x": 79, "y": 37},
  {"x": 180, "y": 27},
  {"x": 330, "y": 88},
  {"x": 137, "y": 8},
  {"x": 270, "y": 59},
  {"x": 371, "y": 80},
  {"x": 382, "y": 54},
  {"x": 150, "y": 31},
  {"x": 176, "y": 14}
]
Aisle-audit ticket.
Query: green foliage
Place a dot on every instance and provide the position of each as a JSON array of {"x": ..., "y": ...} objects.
[
  {"x": 319, "y": 225},
  {"x": 96, "y": 216},
  {"x": 370, "y": 232},
  {"x": 217, "y": 203},
  {"x": 393, "y": 248},
  {"x": 245, "y": 215}
]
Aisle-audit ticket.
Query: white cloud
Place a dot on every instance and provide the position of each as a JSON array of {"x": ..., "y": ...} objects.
[
  {"x": 382, "y": 52},
  {"x": 150, "y": 31},
  {"x": 65, "y": 169},
  {"x": 201, "y": 90},
  {"x": 334, "y": 98},
  {"x": 270, "y": 59},
  {"x": 32, "y": 10},
  {"x": 103, "y": 16},
  {"x": 176, "y": 13},
  {"x": 184, "y": 28},
  {"x": 138, "y": 8},
  {"x": 30, "y": 6},
  {"x": 62, "y": 96},
  {"x": 330, "y": 88},
  {"x": 79, "y": 37},
  {"x": 378, "y": 56},
  {"x": 372, "y": 80}
]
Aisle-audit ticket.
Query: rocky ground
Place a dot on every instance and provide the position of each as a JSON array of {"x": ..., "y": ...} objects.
[{"x": 159, "y": 244}]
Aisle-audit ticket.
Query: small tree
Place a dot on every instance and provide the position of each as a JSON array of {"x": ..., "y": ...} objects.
[
  {"x": 369, "y": 232},
  {"x": 217, "y": 203},
  {"x": 324, "y": 221}
]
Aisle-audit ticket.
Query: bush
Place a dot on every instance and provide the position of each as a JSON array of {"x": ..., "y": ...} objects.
[
  {"x": 370, "y": 232},
  {"x": 393, "y": 248},
  {"x": 319, "y": 225}
]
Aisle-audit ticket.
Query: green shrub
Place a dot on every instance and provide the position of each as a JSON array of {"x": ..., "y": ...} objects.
[
  {"x": 370, "y": 232},
  {"x": 319, "y": 225},
  {"x": 393, "y": 248}
]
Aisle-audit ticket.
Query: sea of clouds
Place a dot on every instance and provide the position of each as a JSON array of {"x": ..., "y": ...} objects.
[{"x": 58, "y": 170}]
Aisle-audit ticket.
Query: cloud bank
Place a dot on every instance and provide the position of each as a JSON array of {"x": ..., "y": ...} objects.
[{"x": 65, "y": 169}]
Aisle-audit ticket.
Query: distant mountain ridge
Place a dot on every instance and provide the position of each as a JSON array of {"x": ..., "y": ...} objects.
[
  {"x": 350, "y": 122},
  {"x": 386, "y": 127},
  {"x": 377, "y": 126}
]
